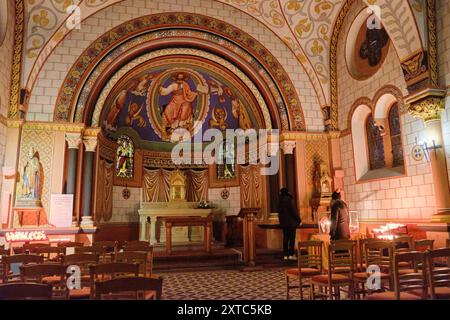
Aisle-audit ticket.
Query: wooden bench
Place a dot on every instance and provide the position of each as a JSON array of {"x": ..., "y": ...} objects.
[{"x": 193, "y": 221}]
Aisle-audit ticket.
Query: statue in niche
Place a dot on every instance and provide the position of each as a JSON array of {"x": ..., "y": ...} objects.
[
  {"x": 371, "y": 48},
  {"x": 322, "y": 180},
  {"x": 31, "y": 175}
]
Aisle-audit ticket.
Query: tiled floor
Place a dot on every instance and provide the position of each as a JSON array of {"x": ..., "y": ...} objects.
[{"x": 227, "y": 285}]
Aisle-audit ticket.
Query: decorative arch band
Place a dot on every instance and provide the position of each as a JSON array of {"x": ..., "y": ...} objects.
[{"x": 104, "y": 44}]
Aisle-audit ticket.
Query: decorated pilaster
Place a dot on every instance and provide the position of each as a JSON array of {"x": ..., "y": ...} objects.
[
  {"x": 289, "y": 165},
  {"x": 90, "y": 144},
  {"x": 428, "y": 106}
]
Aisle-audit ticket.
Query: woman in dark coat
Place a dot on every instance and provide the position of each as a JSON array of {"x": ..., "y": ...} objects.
[
  {"x": 340, "y": 220},
  {"x": 289, "y": 220}
]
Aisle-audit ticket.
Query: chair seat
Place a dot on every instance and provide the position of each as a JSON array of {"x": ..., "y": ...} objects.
[
  {"x": 341, "y": 269},
  {"x": 51, "y": 279},
  {"x": 83, "y": 293},
  {"x": 365, "y": 275},
  {"x": 404, "y": 264},
  {"x": 390, "y": 295},
  {"x": 335, "y": 278},
  {"x": 305, "y": 271},
  {"x": 442, "y": 293}
]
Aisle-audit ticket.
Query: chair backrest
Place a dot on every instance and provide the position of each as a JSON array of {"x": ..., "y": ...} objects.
[
  {"x": 129, "y": 284},
  {"x": 131, "y": 243},
  {"x": 40, "y": 273},
  {"x": 51, "y": 254},
  {"x": 109, "y": 246},
  {"x": 415, "y": 280},
  {"x": 403, "y": 244},
  {"x": 341, "y": 256},
  {"x": 380, "y": 253},
  {"x": 98, "y": 250},
  {"x": 83, "y": 261},
  {"x": 144, "y": 259},
  {"x": 25, "y": 291},
  {"x": 313, "y": 256},
  {"x": 108, "y": 271},
  {"x": 19, "y": 259},
  {"x": 438, "y": 276},
  {"x": 447, "y": 243},
  {"x": 70, "y": 244},
  {"x": 31, "y": 247},
  {"x": 423, "y": 245},
  {"x": 138, "y": 247}
]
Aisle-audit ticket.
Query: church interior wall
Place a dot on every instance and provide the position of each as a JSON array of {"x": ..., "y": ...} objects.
[{"x": 409, "y": 197}]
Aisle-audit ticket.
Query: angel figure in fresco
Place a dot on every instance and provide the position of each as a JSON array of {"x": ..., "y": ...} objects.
[
  {"x": 137, "y": 87},
  {"x": 178, "y": 112},
  {"x": 134, "y": 114},
  {"x": 239, "y": 111},
  {"x": 219, "y": 118}
]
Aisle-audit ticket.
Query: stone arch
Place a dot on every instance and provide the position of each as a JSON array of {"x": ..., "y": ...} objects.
[{"x": 100, "y": 47}]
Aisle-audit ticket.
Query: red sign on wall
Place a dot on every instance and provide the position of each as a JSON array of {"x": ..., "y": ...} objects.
[{"x": 21, "y": 236}]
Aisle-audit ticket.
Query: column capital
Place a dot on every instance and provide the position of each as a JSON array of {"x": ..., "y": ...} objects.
[
  {"x": 288, "y": 146},
  {"x": 73, "y": 140},
  {"x": 427, "y": 105},
  {"x": 90, "y": 143}
]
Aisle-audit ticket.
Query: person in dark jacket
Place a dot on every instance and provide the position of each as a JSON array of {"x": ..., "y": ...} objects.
[
  {"x": 340, "y": 220},
  {"x": 289, "y": 220}
]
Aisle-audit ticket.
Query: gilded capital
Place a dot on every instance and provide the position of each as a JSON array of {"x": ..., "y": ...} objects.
[
  {"x": 427, "y": 109},
  {"x": 73, "y": 140},
  {"x": 90, "y": 143},
  {"x": 288, "y": 147}
]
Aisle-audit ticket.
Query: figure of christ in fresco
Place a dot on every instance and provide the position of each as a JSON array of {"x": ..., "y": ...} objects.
[
  {"x": 137, "y": 87},
  {"x": 179, "y": 111}
]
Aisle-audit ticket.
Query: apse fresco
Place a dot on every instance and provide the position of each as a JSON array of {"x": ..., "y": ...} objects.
[{"x": 158, "y": 101}]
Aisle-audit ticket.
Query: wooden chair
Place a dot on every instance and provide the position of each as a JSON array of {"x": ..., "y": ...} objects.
[
  {"x": 112, "y": 270},
  {"x": 309, "y": 264},
  {"x": 70, "y": 244},
  {"x": 407, "y": 286},
  {"x": 3, "y": 253},
  {"x": 341, "y": 267},
  {"x": 447, "y": 243},
  {"x": 380, "y": 254},
  {"x": 439, "y": 276},
  {"x": 83, "y": 261},
  {"x": 143, "y": 288},
  {"x": 20, "y": 259},
  {"x": 25, "y": 291},
  {"x": 144, "y": 259},
  {"x": 423, "y": 245},
  {"x": 102, "y": 252},
  {"x": 53, "y": 274},
  {"x": 51, "y": 254},
  {"x": 29, "y": 248},
  {"x": 110, "y": 247},
  {"x": 403, "y": 244},
  {"x": 136, "y": 242}
]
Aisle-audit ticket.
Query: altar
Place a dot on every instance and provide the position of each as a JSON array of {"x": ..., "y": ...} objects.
[{"x": 152, "y": 214}]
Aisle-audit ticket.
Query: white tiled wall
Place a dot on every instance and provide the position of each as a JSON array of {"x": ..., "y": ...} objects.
[
  {"x": 410, "y": 197},
  {"x": 125, "y": 210},
  {"x": 43, "y": 96},
  {"x": 227, "y": 207}
]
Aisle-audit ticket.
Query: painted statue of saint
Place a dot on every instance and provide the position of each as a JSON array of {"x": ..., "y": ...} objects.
[{"x": 30, "y": 177}]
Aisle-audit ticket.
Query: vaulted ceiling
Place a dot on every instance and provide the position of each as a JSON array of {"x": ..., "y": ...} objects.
[{"x": 305, "y": 26}]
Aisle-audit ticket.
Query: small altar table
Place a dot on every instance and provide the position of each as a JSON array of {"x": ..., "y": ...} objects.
[
  {"x": 205, "y": 222},
  {"x": 31, "y": 216}
]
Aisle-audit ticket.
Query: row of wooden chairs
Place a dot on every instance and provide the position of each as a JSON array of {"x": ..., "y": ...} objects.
[
  {"x": 344, "y": 274},
  {"x": 132, "y": 287}
]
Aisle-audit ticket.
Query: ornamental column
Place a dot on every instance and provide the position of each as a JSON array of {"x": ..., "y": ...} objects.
[
  {"x": 429, "y": 109},
  {"x": 73, "y": 143},
  {"x": 289, "y": 166},
  {"x": 90, "y": 144}
]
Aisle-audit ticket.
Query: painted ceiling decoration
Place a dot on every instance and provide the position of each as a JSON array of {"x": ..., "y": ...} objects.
[
  {"x": 306, "y": 27},
  {"x": 265, "y": 64}
]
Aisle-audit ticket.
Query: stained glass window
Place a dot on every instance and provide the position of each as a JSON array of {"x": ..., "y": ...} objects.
[
  {"x": 226, "y": 165},
  {"x": 395, "y": 132},
  {"x": 375, "y": 145},
  {"x": 125, "y": 157}
]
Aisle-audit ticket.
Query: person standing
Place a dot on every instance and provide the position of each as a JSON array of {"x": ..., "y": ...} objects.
[
  {"x": 289, "y": 220},
  {"x": 340, "y": 220}
]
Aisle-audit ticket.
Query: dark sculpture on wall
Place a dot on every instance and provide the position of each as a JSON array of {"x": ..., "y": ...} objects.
[{"x": 371, "y": 48}]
